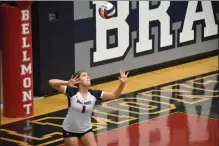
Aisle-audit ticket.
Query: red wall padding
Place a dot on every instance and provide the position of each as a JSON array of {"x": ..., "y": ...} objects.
[{"x": 16, "y": 58}]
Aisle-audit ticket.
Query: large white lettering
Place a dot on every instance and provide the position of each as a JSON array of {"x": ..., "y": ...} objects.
[
  {"x": 207, "y": 15},
  {"x": 146, "y": 16},
  {"x": 27, "y": 106},
  {"x": 27, "y": 82},
  {"x": 25, "y": 28},
  {"x": 102, "y": 25},
  {"x": 25, "y": 15},
  {"x": 24, "y": 58},
  {"x": 26, "y": 69},
  {"x": 27, "y": 95},
  {"x": 24, "y": 43}
]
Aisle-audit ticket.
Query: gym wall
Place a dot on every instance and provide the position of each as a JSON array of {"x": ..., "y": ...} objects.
[{"x": 70, "y": 36}]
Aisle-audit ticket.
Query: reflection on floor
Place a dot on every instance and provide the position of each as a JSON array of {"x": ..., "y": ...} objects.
[{"x": 182, "y": 113}]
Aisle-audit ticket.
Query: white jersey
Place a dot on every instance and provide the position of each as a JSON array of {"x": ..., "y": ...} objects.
[{"x": 78, "y": 119}]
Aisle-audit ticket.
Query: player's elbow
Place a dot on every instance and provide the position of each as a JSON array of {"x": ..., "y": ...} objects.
[
  {"x": 115, "y": 96},
  {"x": 52, "y": 83}
]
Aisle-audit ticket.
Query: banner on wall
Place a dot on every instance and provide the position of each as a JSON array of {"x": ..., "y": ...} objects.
[{"x": 141, "y": 34}]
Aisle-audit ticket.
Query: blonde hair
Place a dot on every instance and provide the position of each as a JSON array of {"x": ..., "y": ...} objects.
[{"x": 78, "y": 73}]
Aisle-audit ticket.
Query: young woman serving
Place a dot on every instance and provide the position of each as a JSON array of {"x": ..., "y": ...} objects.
[{"x": 77, "y": 124}]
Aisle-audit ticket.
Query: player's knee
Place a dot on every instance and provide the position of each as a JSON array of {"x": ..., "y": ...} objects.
[{"x": 93, "y": 143}]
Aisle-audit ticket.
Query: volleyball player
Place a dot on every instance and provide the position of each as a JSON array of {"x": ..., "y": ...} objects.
[{"x": 77, "y": 124}]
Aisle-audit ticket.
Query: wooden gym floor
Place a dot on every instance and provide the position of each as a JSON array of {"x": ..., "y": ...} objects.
[{"x": 173, "y": 106}]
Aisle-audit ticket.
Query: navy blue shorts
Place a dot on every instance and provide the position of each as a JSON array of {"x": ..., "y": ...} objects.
[{"x": 67, "y": 134}]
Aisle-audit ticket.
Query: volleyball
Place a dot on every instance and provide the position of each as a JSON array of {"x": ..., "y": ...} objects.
[{"x": 107, "y": 10}]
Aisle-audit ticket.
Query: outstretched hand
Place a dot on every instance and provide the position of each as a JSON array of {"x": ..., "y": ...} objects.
[
  {"x": 123, "y": 75},
  {"x": 73, "y": 81}
]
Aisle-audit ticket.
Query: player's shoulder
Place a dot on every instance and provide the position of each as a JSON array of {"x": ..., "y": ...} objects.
[
  {"x": 95, "y": 93},
  {"x": 71, "y": 91}
]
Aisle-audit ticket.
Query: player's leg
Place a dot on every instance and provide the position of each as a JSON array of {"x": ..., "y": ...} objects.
[
  {"x": 70, "y": 139},
  {"x": 88, "y": 139}
]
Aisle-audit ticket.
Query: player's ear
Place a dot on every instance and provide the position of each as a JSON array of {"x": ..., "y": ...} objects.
[{"x": 79, "y": 80}]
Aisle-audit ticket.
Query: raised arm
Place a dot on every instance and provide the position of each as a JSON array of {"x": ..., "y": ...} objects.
[
  {"x": 59, "y": 85},
  {"x": 113, "y": 95}
]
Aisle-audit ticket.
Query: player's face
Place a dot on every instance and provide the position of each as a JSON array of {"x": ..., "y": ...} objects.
[{"x": 85, "y": 79}]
